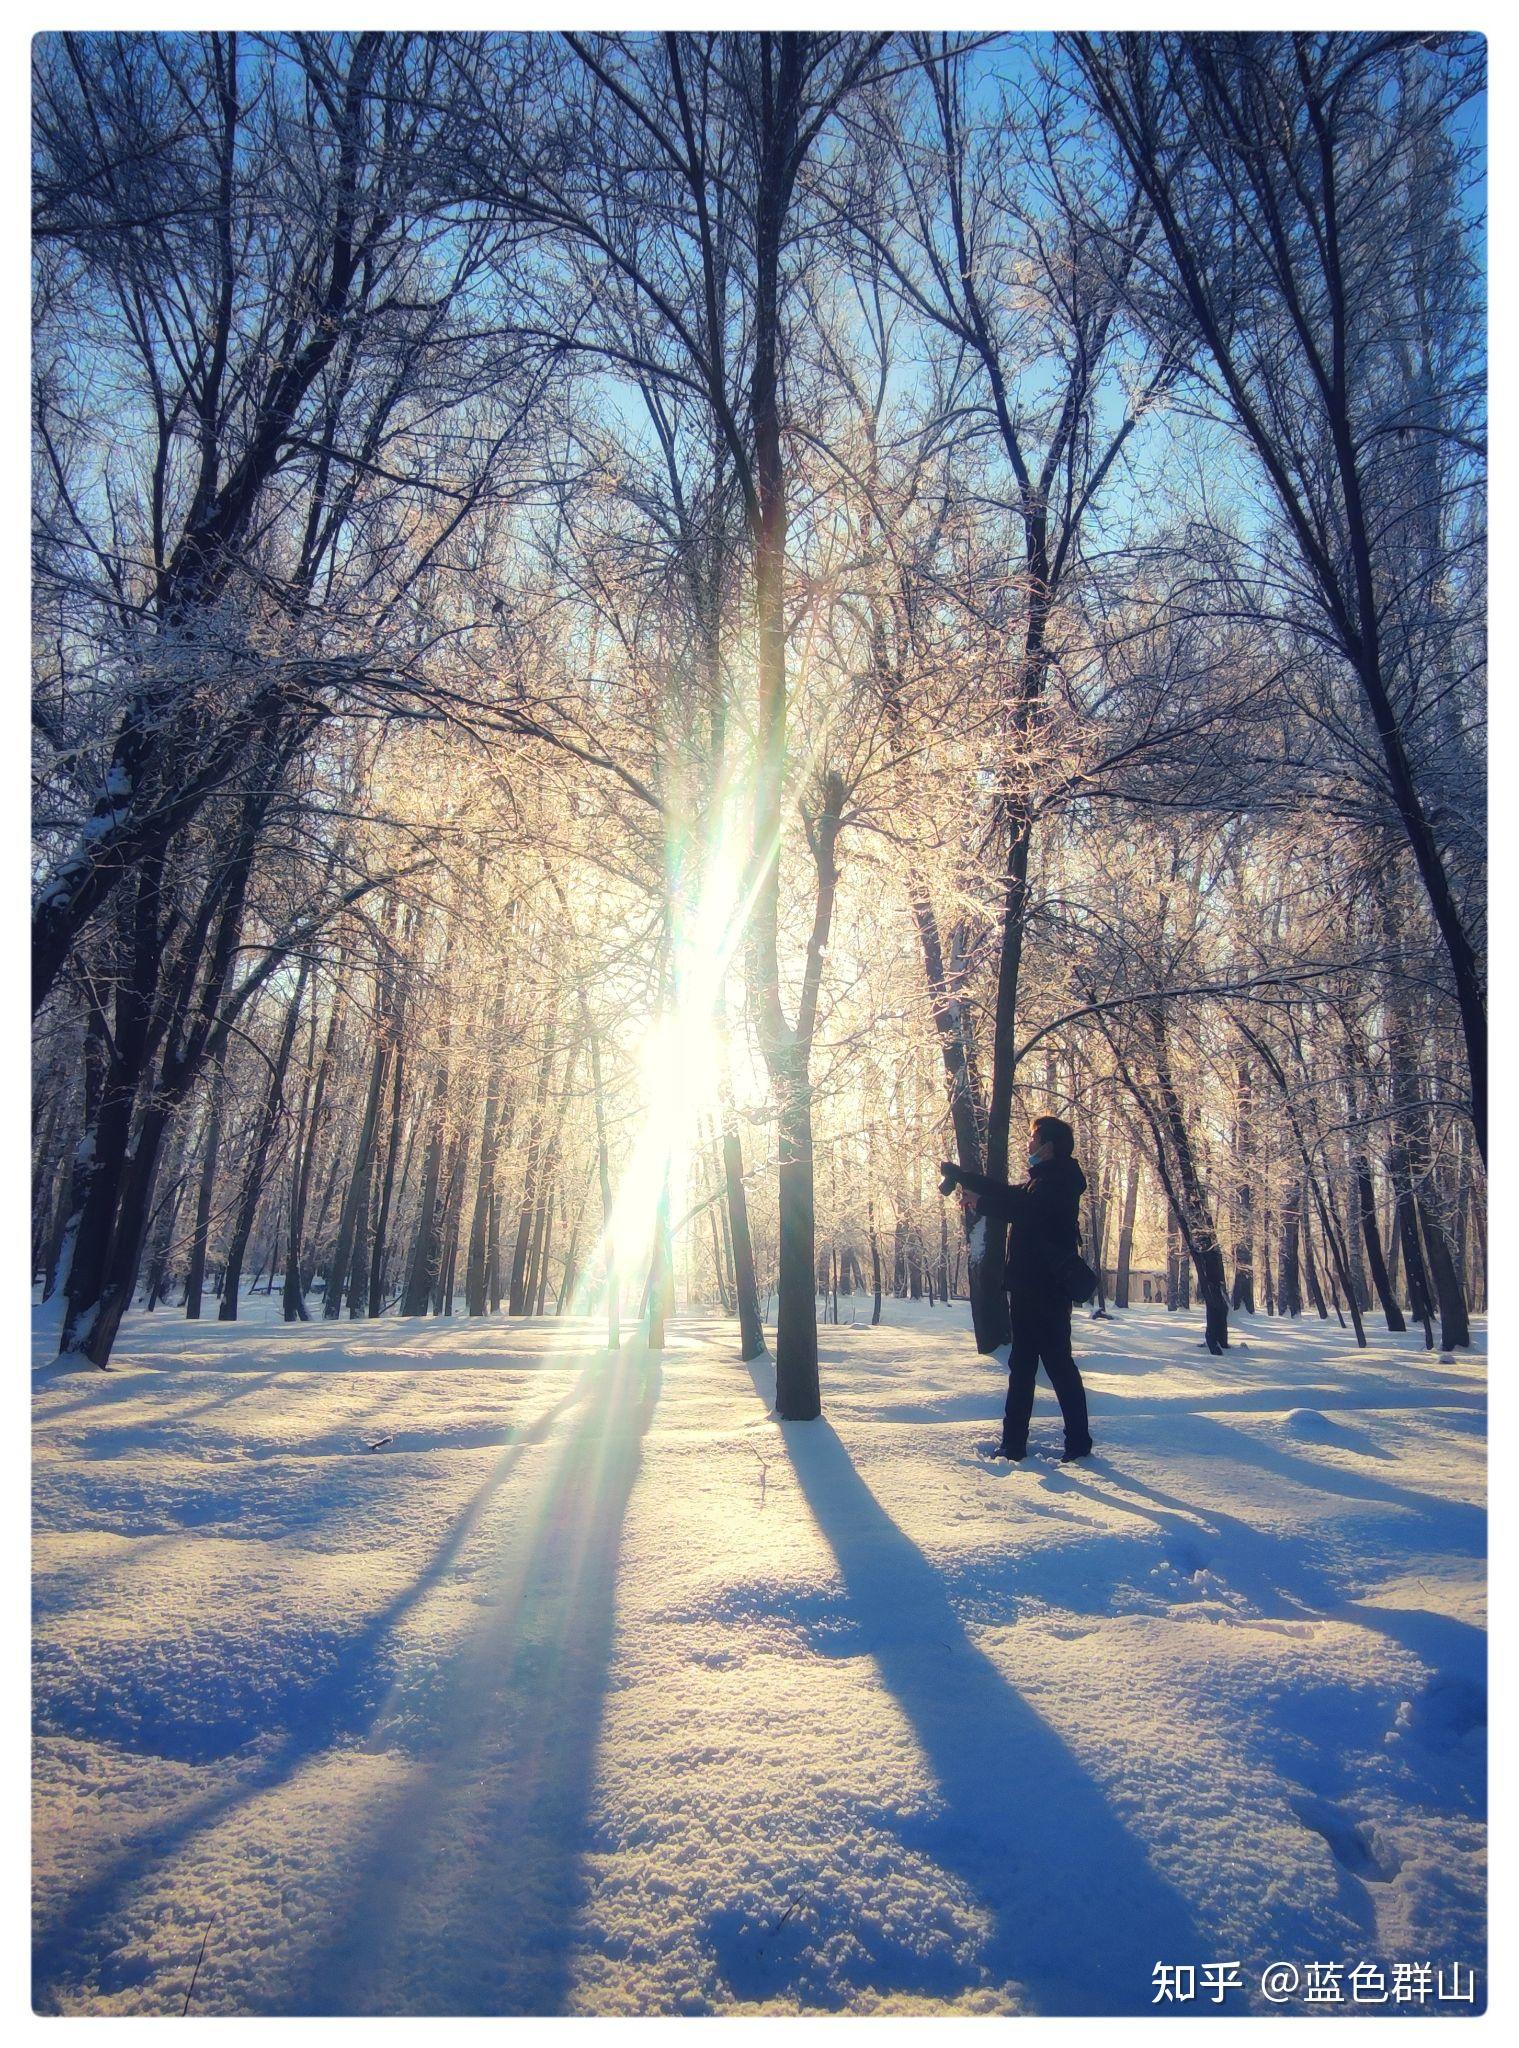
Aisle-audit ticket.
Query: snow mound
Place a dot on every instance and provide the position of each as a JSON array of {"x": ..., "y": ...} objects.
[{"x": 1310, "y": 1423}]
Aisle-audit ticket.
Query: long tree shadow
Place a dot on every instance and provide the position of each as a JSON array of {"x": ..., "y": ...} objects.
[
  {"x": 105, "y": 1394},
  {"x": 1459, "y": 1523},
  {"x": 338, "y": 1702},
  {"x": 1286, "y": 1578},
  {"x": 466, "y": 1899},
  {"x": 1458, "y": 1397},
  {"x": 1079, "y": 1915}
]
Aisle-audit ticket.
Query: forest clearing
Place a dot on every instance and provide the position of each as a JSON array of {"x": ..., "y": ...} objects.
[{"x": 597, "y": 1689}]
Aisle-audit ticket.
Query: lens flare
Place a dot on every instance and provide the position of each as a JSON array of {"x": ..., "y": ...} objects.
[{"x": 680, "y": 1062}]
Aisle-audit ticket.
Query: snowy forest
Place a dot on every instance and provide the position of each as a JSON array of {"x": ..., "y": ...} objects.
[{"x": 639, "y": 638}]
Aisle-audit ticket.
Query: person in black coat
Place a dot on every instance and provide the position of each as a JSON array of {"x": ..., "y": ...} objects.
[{"x": 1044, "y": 1231}]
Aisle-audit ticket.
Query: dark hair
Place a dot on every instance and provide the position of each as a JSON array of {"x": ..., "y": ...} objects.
[{"x": 1053, "y": 1131}]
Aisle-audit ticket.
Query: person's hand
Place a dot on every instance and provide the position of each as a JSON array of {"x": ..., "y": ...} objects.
[{"x": 968, "y": 1201}]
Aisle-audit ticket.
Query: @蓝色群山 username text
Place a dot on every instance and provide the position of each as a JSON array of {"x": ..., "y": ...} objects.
[{"x": 1337, "y": 1983}]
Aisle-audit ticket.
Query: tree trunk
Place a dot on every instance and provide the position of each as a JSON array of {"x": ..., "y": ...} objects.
[
  {"x": 349, "y": 1248},
  {"x": 751, "y": 1334},
  {"x": 604, "y": 1175},
  {"x": 914, "y": 1247},
  {"x": 799, "y": 1398},
  {"x": 540, "y": 1292},
  {"x": 1193, "y": 1215},
  {"x": 195, "y": 1269},
  {"x": 1416, "y": 1279},
  {"x": 258, "y": 1155},
  {"x": 453, "y": 1198},
  {"x": 84, "y": 1163},
  {"x": 493, "y": 1253},
  {"x": 787, "y": 1049},
  {"x": 952, "y": 1021},
  {"x": 1310, "y": 1268},
  {"x": 424, "y": 1249},
  {"x": 387, "y": 1184},
  {"x": 1126, "y": 1233},
  {"x": 1381, "y": 1279},
  {"x": 875, "y": 1263},
  {"x": 168, "y": 1216},
  {"x": 475, "y": 1291},
  {"x": 1243, "y": 1295},
  {"x": 124, "y": 1253},
  {"x": 303, "y": 1157},
  {"x": 516, "y": 1303},
  {"x": 1455, "y": 1326},
  {"x": 542, "y": 1206},
  {"x": 717, "y": 1219},
  {"x": 1289, "y": 1291}
]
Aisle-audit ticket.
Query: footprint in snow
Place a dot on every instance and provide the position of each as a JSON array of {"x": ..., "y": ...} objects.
[
  {"x": 1450, "y": 1712},
  {"x": 1186, "y": 1558},
  {"x": 1355, "y": 1845}
]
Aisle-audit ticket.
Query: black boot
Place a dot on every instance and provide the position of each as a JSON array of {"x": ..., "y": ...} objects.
[{"x": 1072, "y": 1452}]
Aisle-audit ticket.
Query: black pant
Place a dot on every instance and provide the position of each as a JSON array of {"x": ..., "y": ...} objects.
[{"x": 1042, "y": 1336}]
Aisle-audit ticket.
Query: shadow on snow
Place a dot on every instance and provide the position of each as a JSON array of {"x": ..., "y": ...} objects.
[
  {"x": 432, "y": 1864},
  {"x": 1078, "y": 1913}
]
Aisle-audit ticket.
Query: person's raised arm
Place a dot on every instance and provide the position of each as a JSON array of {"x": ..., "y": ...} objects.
[{"x": 994, "y": 1197}]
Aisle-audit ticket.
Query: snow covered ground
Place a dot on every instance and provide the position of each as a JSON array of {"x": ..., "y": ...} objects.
[{"x": 591, "y": 1688}]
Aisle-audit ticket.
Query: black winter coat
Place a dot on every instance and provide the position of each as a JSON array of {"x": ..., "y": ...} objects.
[{"x": 1044, "y": 1215}]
